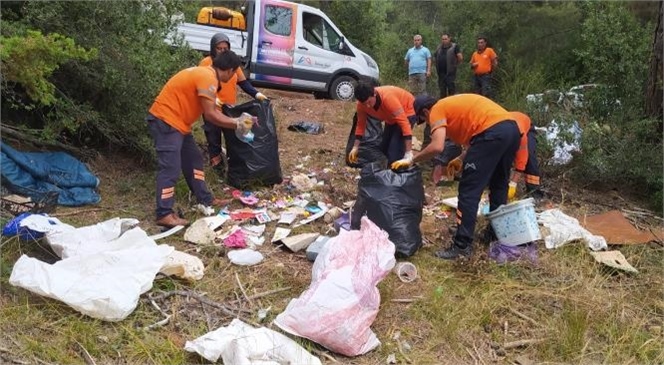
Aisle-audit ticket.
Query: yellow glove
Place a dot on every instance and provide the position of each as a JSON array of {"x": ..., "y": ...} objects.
[
  {"x": 511, "y": 191},
  {"x": 244, "y": 123},
  {"x": 454, "y": 167},
  {"x": 352, "y": 156},
  {"x": 260, "y": 96},
  {"x": 405, "y": 162}
]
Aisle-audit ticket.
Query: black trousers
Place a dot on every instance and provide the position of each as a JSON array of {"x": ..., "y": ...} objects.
[
  {"x": 392, "y": 144},
  {"x": 487, "y": 163}
]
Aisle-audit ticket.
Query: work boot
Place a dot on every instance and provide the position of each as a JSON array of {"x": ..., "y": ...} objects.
[
  {"x": 171, "y": 221},
  {"x": 453, "y": 252}
]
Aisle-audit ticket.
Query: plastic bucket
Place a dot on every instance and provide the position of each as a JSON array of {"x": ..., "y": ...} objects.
[{"x": 515, "y": 223}]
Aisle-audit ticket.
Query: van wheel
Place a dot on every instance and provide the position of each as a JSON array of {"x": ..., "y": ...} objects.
[
  {"x": 343, "y": 88},
  {"x": 321, "y": 95}
]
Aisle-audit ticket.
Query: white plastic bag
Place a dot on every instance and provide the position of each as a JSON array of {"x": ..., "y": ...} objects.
[
  {"x": 342, "y": 301},
  {"x": 563, "y": 229},
  {"x": 245, "y": 257},
  {"x": 241, "y": 344},
  {"x": 91, "y": 239}
]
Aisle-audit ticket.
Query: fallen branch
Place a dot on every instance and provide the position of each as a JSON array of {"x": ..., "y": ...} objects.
[
  {"x": 325, "y": 355},
  {"x": 239, "y": 283},
  {"x": 66, "y": 214},
  {"x": 521, "y": 343},
  {"x": 198, "y": 297},
  {"x": 403, "y": 300},
  {"x": 161, "y": 323},
  {"x": 523, "y": 316},
  {"x": 86, "y": 355},
  {"x": 642, "y": 213},
  {"x": 472, "y": 356},
  {"x": 264, "y": 294},
  {"x": 400, "y": 348}
]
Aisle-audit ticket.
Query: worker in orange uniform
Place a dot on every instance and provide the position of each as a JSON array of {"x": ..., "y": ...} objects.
[
  {"x": 187, "y": 95},
  {"x": 220, "y": 43},
  {"x": 490, "y": 138},
  {"x": 525, "y": 162},
  {"x": 392, "y": 105},
  {"x": 483, "y": 62}
]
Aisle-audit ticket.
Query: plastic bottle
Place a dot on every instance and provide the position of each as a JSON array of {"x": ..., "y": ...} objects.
[{"x": 249, "y": 136}]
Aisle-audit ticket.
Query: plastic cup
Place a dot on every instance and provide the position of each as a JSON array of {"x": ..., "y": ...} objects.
[{"x": 406, "y": 271}]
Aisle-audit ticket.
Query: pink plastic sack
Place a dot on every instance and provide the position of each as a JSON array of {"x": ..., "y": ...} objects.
[{"x": 338, "y": 308}]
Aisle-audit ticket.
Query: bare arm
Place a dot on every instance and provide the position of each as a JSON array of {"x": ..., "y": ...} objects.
[
  {"x": 435, "y": 147},
  {"x": 213, "y": 115},
  {"x": 429, "y": 66}
]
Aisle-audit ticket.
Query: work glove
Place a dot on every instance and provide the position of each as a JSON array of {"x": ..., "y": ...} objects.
[
  {"x": 405, "y": 162},
  {"x": 352, "y": 156},
  {"x": 454, "y": 167},
  {"x": 244, "y": 124},
  {"x": 260, "y": 96},
  {"x": 511, "y": 191}
]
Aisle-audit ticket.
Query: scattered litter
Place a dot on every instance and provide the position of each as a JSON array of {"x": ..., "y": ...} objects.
[
  {"x": 300, "y": 241},
  {"x": 254, "y": 230},
  {"x": 236, "y": 240},
  {"x": 165, "y": 234},
  {"x": 287, "y": 217},
  {"x": 183, "y": 265},
  {"x": 246, "y": 197},
  {"x": 242, "y": 214},
  {"x": 280, "y": 233},
  {"x": 482, "y": 208},
  {"x": 87, "y": 240},
  {"x": 333, "y": 214},
  {"x": 502, "y": 253},
  {"x": 562, "y": 150},
  {"x": 563, "y": 229},
  {"x": 240, "y": 343},
  {"x": 263, "y": 217},
  {"x": 616, "y": 229},
  {"x": 313, "y": 217},
  {"x": 245, "y": 257},
  {"x": 307, "y": 127},
  {"x": 316, "y": 247},
  {"x": 41, "y": 223},
  {"x": 342, "y": 302},
  {"x": 203, "y": 209},
  {"x": 342, "y": 222},
  {"x": 349, "y": 204},
  {"x": 313, "y": 208},
  {"x": 202, "y": 231},
  {"x": 406, "y": 271},
  {"x": 262, "y": 313},
  {"x": 614, "y": 259},
  {"x": 391, "y": 359},
  {"x": 302, "y": 182}
]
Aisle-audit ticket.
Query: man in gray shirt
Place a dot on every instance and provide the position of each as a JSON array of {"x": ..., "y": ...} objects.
[{"x": 448, "y": 56}]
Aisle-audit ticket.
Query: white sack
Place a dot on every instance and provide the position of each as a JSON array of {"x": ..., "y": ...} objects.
[
  {"x": 342, "y": 302},
  {"x": 563, "y": 229},
  {"x": 91, "y": 239},
  {"x": 241, "y": 344}
]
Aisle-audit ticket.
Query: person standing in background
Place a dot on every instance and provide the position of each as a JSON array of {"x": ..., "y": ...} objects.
[
  {"x": 448, "y": 57},
  {"x": 418, "y": 62},
  {"x": 483, "y": 62}
]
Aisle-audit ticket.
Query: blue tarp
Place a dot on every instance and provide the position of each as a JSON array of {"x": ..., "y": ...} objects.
[{"x": 36, "y": 173}]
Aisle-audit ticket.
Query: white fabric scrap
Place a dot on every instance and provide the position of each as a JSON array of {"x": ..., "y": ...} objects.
[
  {"x": 241, "y": 344},
  {"x": 104, "y": 284},
  {"x": 563, "y": 229},
  {"x": 45, "y": 224}
]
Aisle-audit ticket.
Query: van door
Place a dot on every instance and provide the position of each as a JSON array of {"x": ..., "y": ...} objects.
[
  {"x": 275, "y": 42},
  {"x": 317, "y": 51}
]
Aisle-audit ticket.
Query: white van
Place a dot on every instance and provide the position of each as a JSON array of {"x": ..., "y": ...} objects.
[{"x": 287, "y": 46}]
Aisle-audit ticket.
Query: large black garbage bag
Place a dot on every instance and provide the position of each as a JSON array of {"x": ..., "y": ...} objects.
[
  {"x": 253, "y": 164},
  {"x": 393, "y": 201},
  {"x": 369, "y": 150}
]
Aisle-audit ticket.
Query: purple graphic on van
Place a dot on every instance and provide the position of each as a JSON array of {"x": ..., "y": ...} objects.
[{"x": 276, "y": 40}]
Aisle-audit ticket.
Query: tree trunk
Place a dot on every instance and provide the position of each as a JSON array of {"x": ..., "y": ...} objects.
[{"x": 654, "y": 95}]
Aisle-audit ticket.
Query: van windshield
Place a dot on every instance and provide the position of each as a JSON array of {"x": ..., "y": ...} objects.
[{"x": 319, "y": 32}]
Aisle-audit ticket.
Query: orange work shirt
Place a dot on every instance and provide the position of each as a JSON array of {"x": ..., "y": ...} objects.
[
  {"x": 396, "y": 105},
  {"x": 178, "y": 102},
  {"x": 484, "y": 61},
  {"x": 228, "y": 92},
  {"x": 465, "y": 116},
  {"x": 523, "y": 121}
]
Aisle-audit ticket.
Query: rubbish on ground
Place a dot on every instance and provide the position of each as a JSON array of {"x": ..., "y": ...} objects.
[
  {"x": 482, "y": 209},
  {"x": 391, "y": 359},
  {"x": 563, "y": 228},
  {"x": 312, "y": 208},
  {"x": 349, "y": 204},
  {"x": 313, "y": 217},
  {"x": 302, "y": 182},
  {"x": 315, "y": 247},
  {"x": 406, "y": 271},
  {"x": 307, "y": 127},
  {"x": 183, "y": 265},
  {"x": 167, "y": 233},
  {"x": 333, "y": 214},
  {"x": 96, "y": 238},
  {"x": 262, "y": 313},
  {"x": 616, "y": 229},
  {"x": 104, "y": 284},
  {"x": 287, "y": 217},
  {"x": 242, "y": 214},
  {"x": 393, "y": 201},
  {"x": 515, "y": 223},
  {"x": 205, "y": 210},
  {"x": 236, "y": 240},
  {"x": 300, "y": 241},
  {"x": 202, "y": 231},
  {"x": 245, "y": 257},
  {"x": 562, "y": 150},
  {"x": 254, "y": 230},
  {"x": 280, "y": 233},
  {"x": 246, "y": 197},
  {"x": 342, "y": 222},
  {"x": 263, "y": 217},
  {"x": 338, "y": 308},
  {"x": 240, "y": 343},
  {"x": 502, "y": 253},
  {"x": 614, "y": 259}
]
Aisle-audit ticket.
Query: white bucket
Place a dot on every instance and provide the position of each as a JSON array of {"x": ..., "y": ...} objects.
[{"x": 515, "y": 223}]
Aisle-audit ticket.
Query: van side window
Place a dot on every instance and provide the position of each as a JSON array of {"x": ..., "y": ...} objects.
[
  {"x": 278, "y": 20},
  {"x": 319, "y": 32}
]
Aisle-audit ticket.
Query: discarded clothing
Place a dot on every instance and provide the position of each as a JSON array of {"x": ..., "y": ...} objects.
[
  {"x": 504, "y": 253},
  {"x": 563, "y": 229}
]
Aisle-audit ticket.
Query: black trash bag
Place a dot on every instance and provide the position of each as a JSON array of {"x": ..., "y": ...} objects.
[
  {"x": 369, "y": 150},
  {"x": 307, "y": 127},
  {"x": 393, "y": 201},
  {"x": 254, "y": 164}
]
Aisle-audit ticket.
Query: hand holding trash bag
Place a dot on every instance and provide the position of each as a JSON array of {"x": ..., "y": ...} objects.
[
  {"x": 454, "y": 167},
  {"x": 405, "y": 162},
  {"x": 352, "y": 156}
]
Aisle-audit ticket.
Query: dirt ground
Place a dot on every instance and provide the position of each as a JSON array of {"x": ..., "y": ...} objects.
[{"x": 458, "y": 312}]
